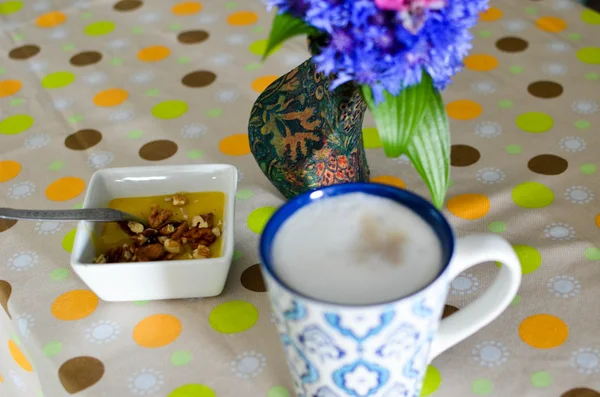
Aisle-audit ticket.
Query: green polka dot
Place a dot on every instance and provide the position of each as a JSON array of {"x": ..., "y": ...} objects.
[
  {"x": 16, "y": 339},
  {"x": 259, "y": 217},
  {"x": 181, "y": 358},
  {"x": 541, "y": 379},
  {"x": 170, "y": 109},
  {"x": 137, "y": 30},
  {"x": 592, "y": 254},
  {"x": 135, "y": 134},
  {"x": 513, "y": 149},
  {"x": 10, "y": 7},
  {"x": 260, "y": 46},
  {"x": 482, "y": 387},
  {"x": 116, "y": 61},
  {"x": 592, "y": 76},
  {"x": 78, "y": 206},
  {"x": 56, "y": 165},
  {"x": 183, "y": 60},
  {"x": 583, "y": 124},
  {"x": 76, "y": 118},
  {"x": 529, "y": 257},
  {"x": 214, "y": 112},
  {"x": 193, "y": 390},
  {"x": 2, "y": 71},
  {"x": 58, "y": 80},
  {"x": 152, "y": 92},
  {"x": 87, "y": 15},
  {"x": 574, "y": 36},
  {"x": 99, "y": 28},
  {"x": 516, "y": 300},
  {"x": 531, "y": 10},
  {"x": 253, "y": 66},
  {"x": 432, "y": 381},
  {"x": 174, "y": 27},
  {"x": 59, "y": 274},
  {"x": 371, "y": 138},
  {"x": 16, "y": 124},
  {"x": 589, "y": 55},
  {"x": 532, "y": 195},
  {"x": 69, "y": 240},
  {"x": 16, "y": 102},
  {"x": 195, "y": 154},
  {"x": 244, "y": 194},
  {"x": 232, "y": 317},
  {"x": 278, "y": 391},
  {"x": 497, "y": 227},
  {"x": 19, "y": 37},
  {"x": 590, "y": 16},
  {"x": 505, "y": 103},
  {"x": 588, "y": 169},
  {"x": 237, "y": 254},
  {"x": 258, "y": 29},
  {"x": 516, "y": 69},
  {"x": 534, "y": 122},
  {"x": 141, "y": 303},
  {"x": 51, "y": 349},
  {"x": 484, "y": 33},
  {"x": 231, "y": 5},
  {"x": 68, "y": 47}
]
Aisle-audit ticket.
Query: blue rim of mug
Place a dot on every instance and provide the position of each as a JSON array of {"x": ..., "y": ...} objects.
[{"x": 424, "y": 209}]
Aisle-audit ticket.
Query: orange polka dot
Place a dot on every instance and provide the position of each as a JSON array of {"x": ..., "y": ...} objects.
[
  {"x": 74, "y": 305},
  {"x": 481, "y": 62},
  {"x": 389, "y": 180},
  {"x": 51, "y": 19},
  {"x": 157, "y": 330},
  {"x": 111, "y": 97},
  {"x": 469, "y": 206},
  {"x": 153, "y": 53},
  {"x": 9, "y": 87},
  {"x": 597, "y": 216},
  {"x": 8, "y": 170},
  {"x": 186, "y": 8},
  {"x": 464, "y": 109},
  {"x": 1, "y": 379},
  {"x": 551, "y": 24},
  {"x": 19, "y": 357},
  {"x": 261, "y": 83},
  {"x": 65, "y": 189},
  {"x": 242, "y": 18},
  {"x": 235, "y": 145},
  {"x": 492, "y": 14},
  {"x": 543, "y": 331}
]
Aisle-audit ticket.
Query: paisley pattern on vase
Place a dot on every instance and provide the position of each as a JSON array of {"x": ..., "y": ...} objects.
[
  {"x": 304, "y": 136},
  {"x": 360, "y": 326},
  {"x": 361, "y": 378}
]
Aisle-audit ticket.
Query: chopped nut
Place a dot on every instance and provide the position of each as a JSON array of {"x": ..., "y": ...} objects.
[
  {"x": 202, "y": 252},
  {"x": 135, "y": 227},
  {"x": 140, "y": 239},
  {"x": 158, "y": 217},
  {"x": 167, "y": 199},
  {"x": 203, "y": 236},
  {"x": 127, "y": 255},
  {"x": 216, "y": 231},
  {"x": 162, "y": 239},
  {"x": 181, "y": 229},
  {"x": 170, "y": 256},
  {"x": 183, "y": 213},
  {"x": 172, "y": 246},
  {"x": 209, "y": 218},
  {"x": 187, "y": 255},
  {"x": 151, "y": 252},
  {"x": 184, "y": 240},
  {"x": 167, "y": 230},
  {"x": 179, "y": 200},
  {"x": 101, "y": 259},
  {"x": 220, "y": 223},
  {"x": 199, "y": 222},
  {"x": 150, "y": 233}
]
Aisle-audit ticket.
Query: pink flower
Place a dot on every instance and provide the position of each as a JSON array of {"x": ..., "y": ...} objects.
[{"x": 410, "y": 6}]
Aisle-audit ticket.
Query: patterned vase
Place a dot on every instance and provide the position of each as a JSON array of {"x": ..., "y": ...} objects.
[{"x": 304, "y": 136}]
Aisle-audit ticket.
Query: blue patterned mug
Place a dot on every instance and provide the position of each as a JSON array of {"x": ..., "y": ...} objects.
[{"x": 382, "y": 350}]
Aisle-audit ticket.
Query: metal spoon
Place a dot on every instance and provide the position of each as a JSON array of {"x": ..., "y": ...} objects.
[{"x": 87, "y": 214}]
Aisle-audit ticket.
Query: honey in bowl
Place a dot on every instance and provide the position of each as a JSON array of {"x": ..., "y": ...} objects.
[{"x": 200, "y": 214}]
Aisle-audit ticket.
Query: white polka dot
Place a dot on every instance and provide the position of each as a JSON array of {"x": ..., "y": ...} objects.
[
  {"x": 490, "y": 175},
  {"x": 564, "y": 286},
  {"x": 38, "y": 65},
  {"x": 248, "y": 364},
  {"x": 59, "y": 33},
  {"x": 25, "y": 323},
  {"x": 62, "y": 103},
  {"x": 585, "y": 106},
  {"x": 206, "y": 19},
  {"x": 490, "y": 353},
  {"x": 464, "y": 284},
  {"x": 100, "y": 159},
  {"x": 146, "y": 381},
  {"x": 555, "y": 69},
  {"x": 141, "y": 77},
  {"x": 21, "y": 190},
  {"x": 37, "y": 141},
  {"x": 558, "y": 46},
  {"x": 562, "y": 5},
  {"x": 227, "y": 95},
  {"x": 102, "y": 332},
  {"x": 41, "y": 6},
  {"x": 483, "y": 87},
  {"x": 586, "y": 360},
  {"x": 47, "y": 228},
  {"x": 118, "y": 44},
  {"x": 22, "y": 261},
  {"x": 149, "y": 17},
  {"x": 95, "y": 78},
  {"x": 572, "y": 144},
  {"x": 515, "y": 25},
  {"x": 237, "y": 39},
  {"x": 18, "y": 382},
  {"x": 559, "y": 231},
  {"x": 488, "y": 129},
  {"x": 579, "y": 195},
  {"x": 121, "y": 115},
  {"x": 221, "y": 59},
  {"x": 195, "y": 130}
]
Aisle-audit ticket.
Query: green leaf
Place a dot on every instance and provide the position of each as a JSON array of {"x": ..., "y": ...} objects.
[
  {"x": 285, "y": 27},
  {"x": 429, "y": 148},
  {"x": 397, "y": 117}
]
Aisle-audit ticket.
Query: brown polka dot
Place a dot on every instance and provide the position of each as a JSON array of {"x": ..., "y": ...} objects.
[
  {"x": 252, "y": 279},
  {"x": 86, "y": 58},
  {"x": 127, "y": 5},
  {"x": 545, "y": 89},
  {"x": 5, "y": 291},
  {"x": 83, "y": 139},
  {"x": 463, "y": 155},
  {"x": 200, "y": 78},
  {"x": 193, "y": 36},
  {"x": 449, "y": 310},
  {"x": 158, "y": 150},
  {"x": 6, "y": 224},
  {"x": 79, "y": 373},
  {"x": 548, "y": 164},
  {"x": 512, "y": 44},
  {"x": 581, "y": 392},
  {"x": 24, "y": 52}
]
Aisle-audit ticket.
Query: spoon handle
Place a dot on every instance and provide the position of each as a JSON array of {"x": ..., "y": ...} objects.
[{"x": 88, "y": 214}]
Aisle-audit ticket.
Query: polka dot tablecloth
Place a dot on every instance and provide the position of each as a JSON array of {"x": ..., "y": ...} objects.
[{"x": 92, "y": 84}]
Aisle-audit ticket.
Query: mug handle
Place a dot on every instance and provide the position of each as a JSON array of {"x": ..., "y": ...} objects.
[{"x": 471, "y": 251}]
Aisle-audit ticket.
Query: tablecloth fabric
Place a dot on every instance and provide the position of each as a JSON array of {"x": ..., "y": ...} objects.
[{"x": 92, "y": 84}]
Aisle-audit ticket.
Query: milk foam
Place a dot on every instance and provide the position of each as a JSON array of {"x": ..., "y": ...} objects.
[{"x": 356, "y": 249}]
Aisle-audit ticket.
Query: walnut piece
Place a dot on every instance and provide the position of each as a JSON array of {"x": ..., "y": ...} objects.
[
  {"x": 172, "y": 246},
  {"x": 162, "y": 239},
  {"x": 199, "y": 222},
  {"x": 181, "y": 229},
  {"x": 140, "y": 239},
  {"x": 216, "y": 231},
  {"x": 100, "y": 259},
  {"x": 167, "y": 229},
  {"x": 150, "y": 252},
  {"x": 202, "y": 252},
  {"x": 203, "y": 236},
  {"x": 179, "y": 200},
  {"x": 135, "y": 227},
  {"x": 158, "y": 217}
]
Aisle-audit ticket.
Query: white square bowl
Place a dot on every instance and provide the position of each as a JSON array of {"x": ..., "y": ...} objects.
[{"x": 191, "y": 278}]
